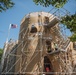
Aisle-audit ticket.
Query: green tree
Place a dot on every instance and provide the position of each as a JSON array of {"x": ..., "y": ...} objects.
[
  {"x": 1, "y": 52},
  {"x": 55, "y": 3},
  {"x": 5, "y": 4},
  {"x": 73, "y": 37},
  {"x": 68, "y": 20}
]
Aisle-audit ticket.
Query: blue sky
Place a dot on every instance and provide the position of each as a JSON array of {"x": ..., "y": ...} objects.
[{"x": 20, "y": 9}]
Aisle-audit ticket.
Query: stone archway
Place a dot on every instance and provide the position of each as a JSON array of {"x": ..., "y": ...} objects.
[{"x": 48, "y": 68}]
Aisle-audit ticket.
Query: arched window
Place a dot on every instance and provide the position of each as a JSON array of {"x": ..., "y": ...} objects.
[
  {"x": 33, "y": 29},
  {"x": 47, "y": 65}
]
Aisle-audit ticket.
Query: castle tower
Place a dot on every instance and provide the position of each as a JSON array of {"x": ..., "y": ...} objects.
[{"x": 39, "y": 31}]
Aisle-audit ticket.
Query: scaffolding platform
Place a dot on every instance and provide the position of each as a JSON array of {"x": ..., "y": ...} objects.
[
  {"x": 53, "y": 22},
  {"x": 56, "y": 52}
]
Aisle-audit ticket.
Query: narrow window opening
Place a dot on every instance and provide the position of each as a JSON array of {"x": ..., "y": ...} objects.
[
  {"x": 47, "y": 65},
  {"x": 33, "y": 29},
  {"x": 46, "y": 20}
]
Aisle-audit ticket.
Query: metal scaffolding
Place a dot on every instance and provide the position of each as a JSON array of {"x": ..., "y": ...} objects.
[{"x": 36, "y": 57}]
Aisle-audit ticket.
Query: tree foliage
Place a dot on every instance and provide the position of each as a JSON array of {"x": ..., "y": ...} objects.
[
  {"x": 55, "y": 3},
  {"x": 70, "y": 22},
  {"x": 1, "y": 52},
  {"x": 5, "y": 4},
  {"x": 73, "y": 37}
]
